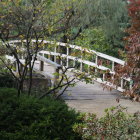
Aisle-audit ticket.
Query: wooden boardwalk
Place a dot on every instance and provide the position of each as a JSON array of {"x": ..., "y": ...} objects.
[{"x": 91, "y": 98}]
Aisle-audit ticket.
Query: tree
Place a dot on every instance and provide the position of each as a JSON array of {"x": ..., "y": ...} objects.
[
  {"x": 132, "y": 66},
  {"x": 23, "y": 20},
  {"x": 64, "y": 16},
  {"x": 110, "y": 15},
  {"x": 27, "y": 20}
]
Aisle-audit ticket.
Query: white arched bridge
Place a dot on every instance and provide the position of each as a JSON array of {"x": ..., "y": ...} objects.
[{"x": 89, "y": 62}]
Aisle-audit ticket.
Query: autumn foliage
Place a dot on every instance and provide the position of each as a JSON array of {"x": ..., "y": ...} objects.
[{"x": 132, "y": 67}]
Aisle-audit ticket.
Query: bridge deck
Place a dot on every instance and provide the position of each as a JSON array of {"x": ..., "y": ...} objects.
[{"x": 92, "y": 98}]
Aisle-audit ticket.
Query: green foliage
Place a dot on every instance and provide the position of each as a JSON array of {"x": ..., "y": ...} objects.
[
  {"x": 94, "y": 38},
  {"x": 6, "y": 80},
  {"x": 110, "y": 15},
  {"x": 27, "y": 118},
  {"x": 115, "y": 125}
]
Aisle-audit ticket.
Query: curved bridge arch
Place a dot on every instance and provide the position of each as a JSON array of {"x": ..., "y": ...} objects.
[{"x": 80, "y": 59}]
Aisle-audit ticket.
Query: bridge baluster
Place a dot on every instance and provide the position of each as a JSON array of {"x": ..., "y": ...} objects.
[
  {"x": 113, "y": 66},
  {"x": 96, "y": 61},
  {"x": 67, "y": 56},
  {"x": 81, "y": 64},
  {"x": 54, "y": 55},
  {"x": 81, "y": 67},
  {"x": 103, "y": 76},
  {"x": 122, "y": 83},
  {"x": 74, "y": 63}
]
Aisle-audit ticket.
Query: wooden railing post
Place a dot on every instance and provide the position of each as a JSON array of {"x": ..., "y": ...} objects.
[
  {"x": 122, "y": 83},
  {"x": 81, "y": 64},
  {"x": 96, "y": 62},
  {"x": 103, "y": 77},
  {"x": 54, "y": 55},
  {"x": 81, "y": 67},
  {"x": 74, "y": 63},
  {"x": 113, "y": 66},
  {"x": 67, "y": 57}
]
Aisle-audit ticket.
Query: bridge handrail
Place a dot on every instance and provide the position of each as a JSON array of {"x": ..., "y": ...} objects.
[
  {"x": 81, "y": 60},
  {"x": 41, "y": 58},
  {"x": 102, "y": 55}
]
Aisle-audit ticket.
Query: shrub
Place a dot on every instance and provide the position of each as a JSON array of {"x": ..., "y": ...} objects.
[
  {"x": 6, "y": 80},
  {"x": 28, "y": 118},
  {"x": 115, "y": 125}
]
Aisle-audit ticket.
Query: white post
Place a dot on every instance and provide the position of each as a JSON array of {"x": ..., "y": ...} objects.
[
  {"x": 96, "y": 61},
  {"x": 113, "y": 66},
  {"x": 61, "y": 61},
  {"x": 81, "y": 65},
  {"x": 55, "y": 54},
  {"x": 22, "y": 45},
  {"x": 67, "y": 56},
  {"x": 122, "y": 80},
  {"x": 74, "y": 63}
]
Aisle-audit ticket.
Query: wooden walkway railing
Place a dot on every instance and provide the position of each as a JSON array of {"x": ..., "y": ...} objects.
[{"x": 45, "y": 55}]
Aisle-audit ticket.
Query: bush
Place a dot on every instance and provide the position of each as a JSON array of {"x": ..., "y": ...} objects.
[
  {"x": 6, "y": 80},
  {"x": 115, "y": 125},
  {"x": 28, "y": 118}
]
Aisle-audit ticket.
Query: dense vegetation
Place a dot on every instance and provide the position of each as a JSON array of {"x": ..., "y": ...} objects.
[
  {"x": 6, "y": 80},
  {"x": 132, "y": 67},
  {"x": 48, "y": 119},
  {"x": 117, "y": 124},
  {"x": 27, "y": 118}
]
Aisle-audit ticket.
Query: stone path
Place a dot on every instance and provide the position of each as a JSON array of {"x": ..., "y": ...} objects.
[{"x": 93, "y": 99}]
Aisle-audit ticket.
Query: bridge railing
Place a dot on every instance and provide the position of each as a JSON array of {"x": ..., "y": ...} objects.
[{"x": 94, "y": 63}]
